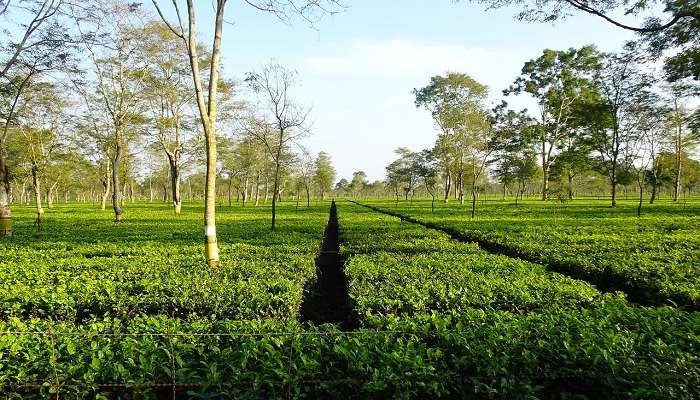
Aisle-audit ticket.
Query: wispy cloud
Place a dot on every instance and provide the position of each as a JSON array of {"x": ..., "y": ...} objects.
[{"x": 401, "y": 58}]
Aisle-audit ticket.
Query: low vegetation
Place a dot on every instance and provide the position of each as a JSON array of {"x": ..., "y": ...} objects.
[{"x": 653, "y": 258}]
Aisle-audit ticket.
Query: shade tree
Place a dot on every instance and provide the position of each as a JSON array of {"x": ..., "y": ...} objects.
[
  {"x": 556, "y": 80},
  {"x": 110, "y": 34},
  {"x": 324, "y": 174},
  {"x": 621, "y": 85},
  {"x": 35, "y": 41},
  {"x": 455, "y": 101},
  {"x": 283, "y": 121}
]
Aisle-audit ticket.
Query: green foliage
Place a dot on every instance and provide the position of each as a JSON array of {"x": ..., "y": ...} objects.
[
  {"x": 397, "y": 269},
  {"x": 478, "y": 325},
  {"x": 152, "y": 266},
  {"x": 324, "y": 173},
  {"x": 588, "y": 240},
  {"x": 441, "y": 319}
]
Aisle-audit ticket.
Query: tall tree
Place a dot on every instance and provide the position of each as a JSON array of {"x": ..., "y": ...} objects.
[
  {"x": 310, "y": 10},
  {"x": 285, "y": 121},
  {"x": 111, "y": 34},
  {"x": 342, "y": 186},
  {"x": 246, "y": 161},
  {"x": 444, "y": 154},
  {"x": 405, "y": 170},
  {"x": 556, "y": 80},
  {"x": 428, "y": 168},
  {"x": 34, "y": 41},
  {"x": 482, "y": 138},
  {"x": 305, "y": 174},
  {"x": 455, "y": 102},
  {"x": 358, "y": 183},
  {"x": 653, "y": 140},
  {"x": 514, "y": 149},
  {"x": 41, "y": 124},
  {"x": 169, "y": 94},
  {"x": 207, "y": 107},
  {"x": 622, "y": 86},
  {"x": 324, "y": 174},
  {"x": 683, "y": 134},
  {"x": 94, "y": 139}
]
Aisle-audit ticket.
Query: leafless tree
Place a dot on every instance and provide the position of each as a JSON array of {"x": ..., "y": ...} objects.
[{"x": 284, "y": 120}]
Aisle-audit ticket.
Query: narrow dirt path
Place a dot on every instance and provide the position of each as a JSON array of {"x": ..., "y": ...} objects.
[{"x": 326, "y": 300}]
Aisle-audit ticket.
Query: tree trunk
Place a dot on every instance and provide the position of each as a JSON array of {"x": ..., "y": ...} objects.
[
  {"x": 23, "y": 193},
  {"x": 175, "y": 183},
  {"x": 36, "y": 182},
  {"x": 654, "y": 186},
  {"x": 275, "y": 189},
  {"x": 677, "y": 181},
  {"x": 116, "y": 191},
  {"x": 5, "y": 210},
  {"x": 460, "y": 184},
  {"x": 230, "y": 183},
  {"x": 211, "y": 245},
  {"x": 266, "y": 190},
  {"x": 207, "y": 111},
  {"x": 545, "y": 180},
  {"x": 613, "y": 186},
  {"x": 50, "y": 194},
  {"x": 448, "y": 185},
  {"x": 640, "y": 182},
  {"x": 570, "y": 176},
  {"x": 308, "y": 196},
  {"x": 454, "y": 186},
  {"x": 245, "y": 189},
  {"x": 257, "y": 189},
  {"x": 474, "y": 198}
]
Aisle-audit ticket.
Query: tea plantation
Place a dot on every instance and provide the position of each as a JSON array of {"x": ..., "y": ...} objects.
[{"x": 94, "y": 309}]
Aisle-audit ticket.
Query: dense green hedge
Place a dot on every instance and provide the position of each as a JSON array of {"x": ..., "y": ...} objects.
[
  {"x": 440, "y": 318},
  {"x": 610, "y": 351},
  {"x": 253, "y": 282},
  {"x": 396, "y": 267},
  {"x": 84, "y": 265},
  {"x": 493, "y": 326},
  {"x": 653, "y": 258}
]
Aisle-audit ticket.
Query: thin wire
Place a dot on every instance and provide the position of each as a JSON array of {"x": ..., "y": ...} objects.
[
  {"x": 239, "y": 334},
  {"x": 177, "y": 384}
]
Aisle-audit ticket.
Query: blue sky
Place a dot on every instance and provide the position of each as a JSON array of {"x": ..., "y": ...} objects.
[{"x": 358, "y": 68}]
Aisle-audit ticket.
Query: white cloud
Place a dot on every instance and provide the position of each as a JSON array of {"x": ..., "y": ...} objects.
[{"x": 401, "y": 57}]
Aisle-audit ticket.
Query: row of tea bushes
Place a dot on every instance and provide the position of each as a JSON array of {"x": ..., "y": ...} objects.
[
  {"x": 653, "y": 258},
  {"x": 605, "y": 352},
  {"x": 82, "y": 265},
  {"x": 396, "y": 267},
  {"x": 486, "y": 326}
]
